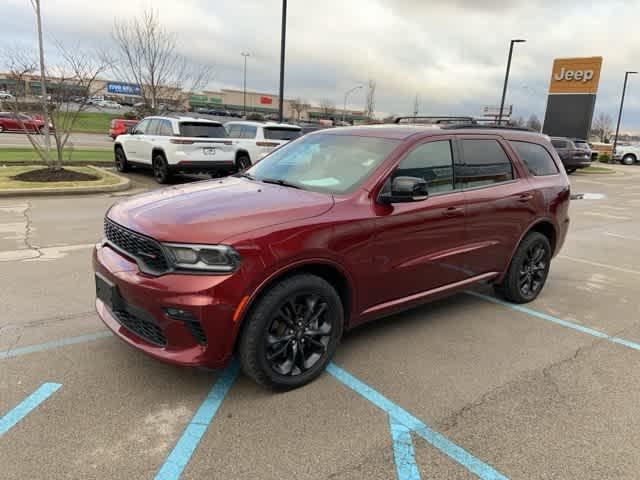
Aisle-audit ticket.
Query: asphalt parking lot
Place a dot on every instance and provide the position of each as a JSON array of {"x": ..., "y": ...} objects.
[{"x": 468, "y": 387}]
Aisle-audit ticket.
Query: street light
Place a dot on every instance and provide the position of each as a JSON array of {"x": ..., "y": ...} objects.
[
  {"x": 624, "y": 89},
  {"x": 348, "y": 92},
  {"x": 245, "y": 55},
  {"x": 506, "y": 77},
  {"x": 283, "y": 36}
]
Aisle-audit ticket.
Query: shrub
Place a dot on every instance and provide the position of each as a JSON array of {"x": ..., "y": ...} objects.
[
  {"x": 257, "y": 117},
  {"x": 604, "y": 158}
]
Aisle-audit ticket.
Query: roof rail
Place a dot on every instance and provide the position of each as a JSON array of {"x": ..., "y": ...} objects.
[
  {"x": 488, "y": 126},
  {"x": 434, "y": 120}
]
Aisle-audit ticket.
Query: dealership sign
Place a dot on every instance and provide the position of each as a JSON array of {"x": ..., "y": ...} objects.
[
  {"x": 575, "y": 75},
  {"x": 266, "y": 100},
  {"x": 123, "y": 88}
]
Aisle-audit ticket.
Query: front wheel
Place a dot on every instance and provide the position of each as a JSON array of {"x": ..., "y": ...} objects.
[
  {"x": 292, "y": 332},
  {"x": 1, "y": 129},
  {"x": 243, "y": 162},
  {"x": 121, "y": 161},
  {"x": 528, "y": 270}
]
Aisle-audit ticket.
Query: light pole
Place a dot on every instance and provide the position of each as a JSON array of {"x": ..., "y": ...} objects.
[
  {"x": 347, "y": 93},
  {"x": 506, "y": 77},
  {"x": 244, "y": 108},
  {"x": 282, "y": 45},
  {"x": 624, "y": 89}
]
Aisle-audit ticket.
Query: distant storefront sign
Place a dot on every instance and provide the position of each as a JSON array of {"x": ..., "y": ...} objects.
[
  {"x": 215, "y": 100},
  {"x": 123, "y": 88},
  {"x": 266, "y": 100}
]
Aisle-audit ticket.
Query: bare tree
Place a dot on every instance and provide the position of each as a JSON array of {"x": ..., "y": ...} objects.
[
  {"x": 74, "y": 78},
  {"x": 327, "y": 107},
  {"x": 298, "y": 106},
  {"x": 147, "y": 55},
  {"x": 602, "y": 127},
  {"x": 370, "y": 106},
  {"x": 534, "y": 123},
  {"x": 517, "y": 122}
]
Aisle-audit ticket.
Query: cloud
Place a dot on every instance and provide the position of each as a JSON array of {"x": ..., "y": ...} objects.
[{"x": 451, "y": 54}]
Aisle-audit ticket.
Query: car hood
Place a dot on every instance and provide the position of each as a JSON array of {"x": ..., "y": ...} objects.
[{"x": 214, "y": 210}]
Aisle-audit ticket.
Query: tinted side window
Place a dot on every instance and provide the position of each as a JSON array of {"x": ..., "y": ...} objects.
[
  {"x": 431, "y": 161},
  {"x": 248, "y": 131},
  {"x": 484, "y": 163},
  {"x": 234, "y": 131},
  {"x": 536, "y": 158},
  {"x": 559, "y": 143},
  {"x": 142, "y": 127},
  {"x": 153, "y": 126},
  {"x": 165, "y": 128}
]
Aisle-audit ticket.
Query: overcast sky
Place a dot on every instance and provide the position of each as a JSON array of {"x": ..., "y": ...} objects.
[{"x": 452, "y": 54}]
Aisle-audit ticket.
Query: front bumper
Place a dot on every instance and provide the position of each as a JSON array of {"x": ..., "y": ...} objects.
[{"x": 211, "y": 299}]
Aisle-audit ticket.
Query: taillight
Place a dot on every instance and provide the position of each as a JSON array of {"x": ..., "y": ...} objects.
[
  {"x": 267, "y": 144},
  {"x": 180, "y": 141}
]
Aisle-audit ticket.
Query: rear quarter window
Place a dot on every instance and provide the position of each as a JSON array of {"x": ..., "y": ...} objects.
[
  {"x": 279, "y": 133},
  {"x": 537, "y": 159}
]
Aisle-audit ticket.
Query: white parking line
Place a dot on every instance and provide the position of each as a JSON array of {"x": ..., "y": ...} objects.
[
  {"x": 626, "y": 237},
  {"x": 606, "y": 215},
  {"x": 598, "y": 264}
]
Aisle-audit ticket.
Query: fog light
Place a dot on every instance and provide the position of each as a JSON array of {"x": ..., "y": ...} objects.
[{"x": 179, "y": 314}]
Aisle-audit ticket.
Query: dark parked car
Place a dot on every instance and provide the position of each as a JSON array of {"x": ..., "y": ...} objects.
[
  {"x": 332, "y": 230},
  {"x": 12, "y": 122},
  {"x": 573, "y": 152}
]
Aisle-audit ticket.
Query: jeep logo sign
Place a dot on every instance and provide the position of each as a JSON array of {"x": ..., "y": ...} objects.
[
  {"x": 578, "y": 75},
  {"x": 575, "y": 75}
]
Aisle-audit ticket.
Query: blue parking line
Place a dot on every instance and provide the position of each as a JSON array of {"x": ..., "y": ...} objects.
[
  {"x": 403, "y": 454},
  {"x": 177, "y": 460},
  {"x": 439, "y": 441},
  {"x": 558, "y": 321},
  {"x": 27, "y": 405},
  {"x": 16, "y": 352}
]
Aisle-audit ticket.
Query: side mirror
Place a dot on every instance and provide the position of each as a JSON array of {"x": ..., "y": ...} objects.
[
  {"x": 131, "y": 130},
  {"x": 405, "y": 189}
]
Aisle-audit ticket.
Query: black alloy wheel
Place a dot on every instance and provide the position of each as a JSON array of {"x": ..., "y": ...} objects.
[
  {"x": 121, "y": 161},
  {"x": 298, "y": 335},
  {"x": 243, "y": 162},
  {"x": 533, "y": 270},
  {"x": 161, "y": 169}
]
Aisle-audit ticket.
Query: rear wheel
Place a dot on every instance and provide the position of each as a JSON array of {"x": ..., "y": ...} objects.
[
  {"x": 121, "y": 161},
  {"x": 1, "y": 128},
  {"x": 570, "y": 170},
  {"x": 528, "y": 270},
  {"x": 292, "y": 332},
  {"x": 629, "y": 159},
  {"x": 243, "y": 162},
  {"x": 161, "y": 170}
]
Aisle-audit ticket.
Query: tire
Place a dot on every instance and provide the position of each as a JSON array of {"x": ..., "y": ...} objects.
[
  {"x": 527, "y": 271},
  {"x": 570, "y": 170},
  {"x": 161, "y": 171},
  {"x": 273, "y": 339},
  {"x": 1, "y": 129},
  {"x": 243, "y": 162},
  {"x": 122, "y": 165},
  {"x": 628, "y": 159}
]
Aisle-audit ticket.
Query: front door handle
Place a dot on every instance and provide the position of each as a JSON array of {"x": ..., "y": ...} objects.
[
  {"x": 453, "y": 212},
  {"x": 525, "y": 197}
]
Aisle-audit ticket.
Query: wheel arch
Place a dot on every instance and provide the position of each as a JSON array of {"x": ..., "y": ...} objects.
[
  {"x": 240, "y": 152},
  {"x": 157, "y": 150},
  {"x": 544, "y": 226},
  {"x": 337, "y": 277}
]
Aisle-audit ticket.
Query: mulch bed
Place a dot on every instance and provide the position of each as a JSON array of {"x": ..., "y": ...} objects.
[{"x": 46, "y": 175}]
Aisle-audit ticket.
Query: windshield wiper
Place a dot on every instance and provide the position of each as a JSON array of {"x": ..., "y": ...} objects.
[
  {"x": 245, "y": 175},
  {"x": 278, "y": 181}
]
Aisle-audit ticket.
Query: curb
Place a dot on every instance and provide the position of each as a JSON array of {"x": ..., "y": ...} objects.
[{"x": 124, "y": 184}]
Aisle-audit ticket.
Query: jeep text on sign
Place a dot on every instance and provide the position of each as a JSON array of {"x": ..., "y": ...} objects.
[{"x": 575, "y": 75}]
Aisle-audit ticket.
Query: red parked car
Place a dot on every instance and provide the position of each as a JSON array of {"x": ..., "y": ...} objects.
[
  {"x": 18, "y": 122},
  {"x": 332, "y": 230},
  {"x": 119, "y": 126}
]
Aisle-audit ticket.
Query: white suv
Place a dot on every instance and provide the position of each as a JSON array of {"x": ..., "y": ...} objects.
[
  {"x": 627, "y": 154},
  {"x": 179, "y": 144},
  {"x": 258, "y": 139}
]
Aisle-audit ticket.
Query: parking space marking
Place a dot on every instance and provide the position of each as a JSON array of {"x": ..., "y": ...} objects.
[
  {"x": 439, "y": 441},
  {"x": 27, "y": 405},
  {"x": 606, "y": 215},
  {"x": 558, "y": 321},
  {"x": 625, "y": 237},
  {"x": 598, "y": 264},
  {"x": 403, "y": 453},
  {"x": 16, "y": 352},
  {"x": 179, "y": 457}
]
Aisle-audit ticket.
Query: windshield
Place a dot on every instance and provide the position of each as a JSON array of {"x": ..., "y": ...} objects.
[
  {"x": 324, "y": 163},
  {"x": 202, "y": 130},
  {"x": 280, "y": 133}
]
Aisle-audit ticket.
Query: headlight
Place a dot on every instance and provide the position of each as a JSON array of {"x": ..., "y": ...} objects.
[{"x": 209, "y": 258}]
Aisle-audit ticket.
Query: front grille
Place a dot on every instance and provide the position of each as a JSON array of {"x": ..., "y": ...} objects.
[
  {"x": 196, "y": 331},
  {"x": 145, "y": 250},
  {"x": 141, "y": 327}
]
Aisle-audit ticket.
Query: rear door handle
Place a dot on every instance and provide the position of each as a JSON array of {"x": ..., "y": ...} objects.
[
  {"x": 453, "y": 212},
  {"x": 525, "y": 197}
]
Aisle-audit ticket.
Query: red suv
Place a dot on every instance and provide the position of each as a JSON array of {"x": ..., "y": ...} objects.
[
  {"x": 119, "y": 126},
  {"x": 332, "y": 230}
]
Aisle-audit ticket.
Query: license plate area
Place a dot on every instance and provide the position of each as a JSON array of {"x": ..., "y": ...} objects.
[
  {"x": 107, "y": 292},
  {"x": 209, "y": 151}
]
